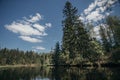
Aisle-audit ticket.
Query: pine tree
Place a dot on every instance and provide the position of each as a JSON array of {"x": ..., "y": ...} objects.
[
  {"x": 104, "y": 39},
  {"x": 56, "y": 55},
  {"x": 114, "y": 27},
  {"x": 82, "y": 40},
  {"x": 76, "y": 41},
  {"x": 70, "y": 14}
]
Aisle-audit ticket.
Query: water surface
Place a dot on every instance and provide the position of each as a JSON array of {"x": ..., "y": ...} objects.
[{"x": 61, "y": 73}]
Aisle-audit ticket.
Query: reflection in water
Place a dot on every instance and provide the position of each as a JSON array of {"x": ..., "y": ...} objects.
[
  {"x": 23, "y": 73},
  {"x": 60, "y": 73}
]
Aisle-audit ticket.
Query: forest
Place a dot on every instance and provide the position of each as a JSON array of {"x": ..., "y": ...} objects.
[{"x": 79, "y": 46}]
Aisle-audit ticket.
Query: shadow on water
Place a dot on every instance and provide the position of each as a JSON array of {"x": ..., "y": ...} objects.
[{"x": 59, "y": 73}]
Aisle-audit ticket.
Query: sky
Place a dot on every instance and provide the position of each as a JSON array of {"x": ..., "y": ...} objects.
[{"x": 37, "y": 24}]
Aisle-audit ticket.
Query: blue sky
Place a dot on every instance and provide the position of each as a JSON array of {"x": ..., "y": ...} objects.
[{"x": 36, "y": 24}]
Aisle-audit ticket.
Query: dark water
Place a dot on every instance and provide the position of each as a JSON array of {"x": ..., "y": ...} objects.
[{"x": 61, "y": 73}]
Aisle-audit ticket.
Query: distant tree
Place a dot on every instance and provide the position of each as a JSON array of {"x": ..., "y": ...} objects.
[
  {"x": 113, "y": 23},
  {"x": 56, "y": 55},
  {"x": 15, "y": 56},
  {"x": 114, "y": 26},
  {"x": 104, "y": 39}
]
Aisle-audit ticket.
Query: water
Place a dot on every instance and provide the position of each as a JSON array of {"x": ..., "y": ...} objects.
[{"x": 61, "y": 73}]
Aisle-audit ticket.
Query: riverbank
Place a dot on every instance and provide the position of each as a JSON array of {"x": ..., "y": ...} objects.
[
  {"x": 90, "y": 65},
  {"x": 20, "y": 65}
]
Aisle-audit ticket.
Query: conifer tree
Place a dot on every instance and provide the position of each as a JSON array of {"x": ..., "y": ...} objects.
[
  {"x": 56, "y": 55},
  {"x": 76, "y": 41},
  {"x": 70, "y": 14},
  {"x": 114, "y": 27},
  {"x": 104, "y": 39}
]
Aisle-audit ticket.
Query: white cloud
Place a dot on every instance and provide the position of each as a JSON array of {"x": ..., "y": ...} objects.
[
  {"x": 48, "y": 24},
  {"x": 96, "y": 11},
  {"x": 81, "y": 18},
  {"x": 96, "y": 28},
  {"x": 35, "y": 18},
  {"x": 30, "y": 39},
  {"x": 94, "y": 16},
  {"x": 101, "y": 2},
  {"x": 90, "y": 8},
  {"x": 38, "y": 48},
  {"x": 39, "y": 27},
  {"x": 22, "y": 29},
  {"x": 101, "y": 9},
  {"x": 29, "y": 29}
]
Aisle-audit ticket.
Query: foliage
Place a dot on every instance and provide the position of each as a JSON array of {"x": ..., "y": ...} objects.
[
  {"x": 15, "y": 56},
  {"x": 115, "y": 57},
  {"x": 104, "y": 39},
  {"x": 96, "y": 52},
  {"x": 75, "y": 38},
  {"x": 114, "y": 26},
  {"x": 56, "y": 55}
]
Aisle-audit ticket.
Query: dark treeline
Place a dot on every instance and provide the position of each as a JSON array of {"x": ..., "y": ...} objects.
[
  {"x": 16, "y": 56},
  {"x": 79, "y": 46}
]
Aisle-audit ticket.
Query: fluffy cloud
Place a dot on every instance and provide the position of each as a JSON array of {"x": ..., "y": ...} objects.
[
  {"x": 35, "y": 18},
  {"x": 48, "y": 24},
  {"x": 94, "y": 16},
  {"x": 90, "y": 8},
  {"x": 39, "y": 27},
  {"x": 38, "y": 48},
  {"x": 97, "y": 28},
  {"x": 29, "y": 29},
  {"x": 30, "y": 39},
  {"x": 96, "y": 11},
  {"x": 22, "y": 29}
]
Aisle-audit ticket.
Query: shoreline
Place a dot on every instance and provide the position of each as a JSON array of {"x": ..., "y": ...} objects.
[
  {"x": 19, "y": 65},
  {"x": 64, "y": 65},
  {"x": 89, "y": 65}
]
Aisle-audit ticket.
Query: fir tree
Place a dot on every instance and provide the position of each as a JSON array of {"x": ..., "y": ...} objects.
[
  {"x": 114, "y": 27},
  {"x": 56, "y": 55},
  {"x": 104, "y": 39},
  {"x": 76, "y": 41},
  {"x": 70, "y": 14}
]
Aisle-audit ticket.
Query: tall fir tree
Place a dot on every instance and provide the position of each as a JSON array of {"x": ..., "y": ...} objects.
[
  {"x": 75, "y": 38},
  {"x": 70, "y": 14}
]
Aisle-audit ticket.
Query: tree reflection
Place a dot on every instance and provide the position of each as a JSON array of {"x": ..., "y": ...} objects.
[
  {"x": 74, "y": 73},
  {"x": 95, "y": 74},
  {"x": 23, "y": 73},
  {"x": 59, "y": 73}
]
